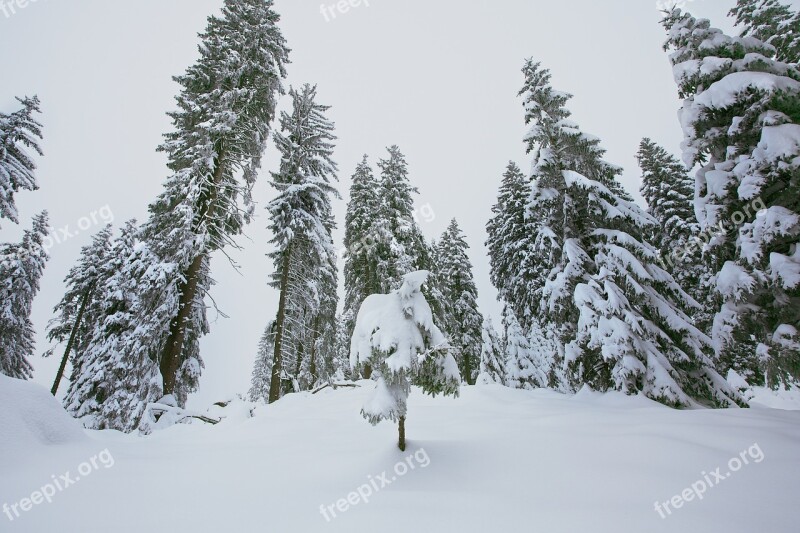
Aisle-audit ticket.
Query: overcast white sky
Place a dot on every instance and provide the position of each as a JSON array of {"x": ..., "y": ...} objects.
[{"x": 438, "y": 78}]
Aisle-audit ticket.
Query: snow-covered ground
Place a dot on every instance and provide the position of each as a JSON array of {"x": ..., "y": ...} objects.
[{"x": 495, "y": 459}]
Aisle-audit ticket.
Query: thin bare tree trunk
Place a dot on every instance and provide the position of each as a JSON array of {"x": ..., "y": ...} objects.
[
  {"x": 78, "y": 319},
  {"x": 312, "y": 366}
]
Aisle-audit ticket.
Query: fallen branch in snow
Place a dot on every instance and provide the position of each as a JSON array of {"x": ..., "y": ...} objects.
[
  {"x": 336, "y": 386},
  {"x": 205, "y": 419},
  {"x": 158, "y": 411}
]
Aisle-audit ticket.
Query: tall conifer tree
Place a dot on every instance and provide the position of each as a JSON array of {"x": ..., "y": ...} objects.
[{"x": 304, "y": 258}]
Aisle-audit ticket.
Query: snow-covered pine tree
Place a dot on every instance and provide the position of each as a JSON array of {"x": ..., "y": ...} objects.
[
  {"x": 114, "y": 377},
  {"x": 773, "y": 23},
  {"x": 434, "y": 289},
  {"x": 740, "y": 122},
  {"x": 669, "y": 192},
  {"x": 383, "y": 241},
  {"x": 75, "y": 313},
  {"x": 407, "y": 249},
  {"x": 493, "y": 356},
  {"x": 620, "y": 317},
  {"x": 225, "y": 108},
  {"x": 19, "y": 132},
  {"x": 304, "y": 256},
  {"x": 522, "y": 370},
  {"x": 366, "y": 233},
  {"x": 146, "y": 346},
  {"x": 322, "y": 360},
  {"x": 396, "y": 335},
  {"x": 508, "y": 241},
  {"x": 21, "y": 268},
  {"x": 262, "y": 369},
  {"x": 460, "y": 295},
  {"x": 342, "y": 370}
]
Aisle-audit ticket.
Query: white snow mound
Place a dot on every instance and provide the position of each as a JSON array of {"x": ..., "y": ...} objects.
[{"x": 30, "y": 417}]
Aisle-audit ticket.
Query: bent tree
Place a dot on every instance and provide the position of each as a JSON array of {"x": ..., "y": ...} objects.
[
  {"x": 396, "y": 336},
  {"x": 225, "y": 108}
]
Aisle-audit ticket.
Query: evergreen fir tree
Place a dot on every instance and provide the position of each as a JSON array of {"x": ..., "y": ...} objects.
[
  {"x": 262, "y": 370},
  {"x": 114, "y": 378},
  {"x": 21, "y": 268},
  {"x": 225, "y": 108},
  {"x": 434, "y": 289},
  {"x": 464, "y": 327},
  {"x": 75, "y": 313},
  {"x": 740, "y": 119},
  {"x": 19, "y": 132},
  {"x": 620, "y": 317},
  {"x": 304, "y": 256},
  {"x": 546, "y": 355},
  {"x": 669, "y": 192},
  {"x": 146, "y": 345},
  {"x": 396, "y": 335},
  {"x": 341, "y": 369},
  {"x": 383, "y": 241},
  {"x": 508, "y": 241},
  {"x": 522, "y": 370},
  {"x": 320, "y": 365},
  {"x": 406, "y": 250},
  {"x": 366, "y": 233},
  {"x": 773, "y": 23},
  {"x": 493, "y": 356}
]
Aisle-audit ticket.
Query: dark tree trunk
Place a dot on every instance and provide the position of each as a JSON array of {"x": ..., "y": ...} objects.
[
  {"x": 173, "y": 349},
  {"x": 296, "y": 385},
  {"x": 312, "y": 366},
  {"x": 78, "y": 319},
  {"x": 171, "y": 360},
  {"x": 401, "y": 428},
  {"x": 275, "y": 381}
]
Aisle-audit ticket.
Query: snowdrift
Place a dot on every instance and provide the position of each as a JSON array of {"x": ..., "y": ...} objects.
[
  {"x": 495, "y": 459},
  {"x": 30, "y": 417}
]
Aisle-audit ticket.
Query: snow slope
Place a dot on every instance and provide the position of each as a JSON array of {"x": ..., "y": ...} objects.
[
  {"x": 495, "y": 459},
  {"x": 30, "y": 420}
]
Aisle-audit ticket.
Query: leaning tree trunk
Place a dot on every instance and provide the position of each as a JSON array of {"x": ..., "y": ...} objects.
[
  {"x": 468, "y": 369},
  {"x": 173, "y": 349},
  {"x": 78, "y": 319},
  {"x": 170, "y": 362},
  {"x": 401, "y": 429},
  {"x": 275, "y": 381},
  {"x": 312, "y": 365}
]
